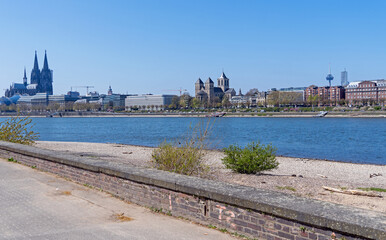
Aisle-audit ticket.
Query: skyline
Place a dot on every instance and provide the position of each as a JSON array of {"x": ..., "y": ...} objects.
[{"x": 152, "y": 46}]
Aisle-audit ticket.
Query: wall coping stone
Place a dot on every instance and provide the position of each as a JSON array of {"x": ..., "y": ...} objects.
[{"x": 351, "y": 220}]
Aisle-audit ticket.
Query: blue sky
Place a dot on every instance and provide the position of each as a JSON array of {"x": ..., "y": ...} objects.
[{"x": 154, "y": 46}]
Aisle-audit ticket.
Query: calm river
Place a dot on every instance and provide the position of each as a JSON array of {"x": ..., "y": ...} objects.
[{"x": 360, "y": 140}]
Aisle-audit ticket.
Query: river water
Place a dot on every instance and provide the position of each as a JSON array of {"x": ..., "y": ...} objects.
[{"x": 360, "y": 140}]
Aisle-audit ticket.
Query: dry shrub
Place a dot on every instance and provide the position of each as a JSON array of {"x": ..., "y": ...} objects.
[
  {"x": 185, "y": 156},
  {"x": 18, "y": 130}
]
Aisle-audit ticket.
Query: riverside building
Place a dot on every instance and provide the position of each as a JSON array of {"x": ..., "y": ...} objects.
[
  {"x": 257, "y": 99},
  {"x": 148, "y": 102},
  {"x": 366, "y": 92},
  {"x": 325, "y": 95}
]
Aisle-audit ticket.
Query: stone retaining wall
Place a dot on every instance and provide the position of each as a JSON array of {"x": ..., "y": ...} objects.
[{"x": 256, "y": 213}]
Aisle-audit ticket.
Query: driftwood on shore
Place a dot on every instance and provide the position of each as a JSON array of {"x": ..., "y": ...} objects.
[{"x": 352, "y": 192}]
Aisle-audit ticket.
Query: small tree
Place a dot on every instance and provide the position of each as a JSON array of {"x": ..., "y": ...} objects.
[{"x": 254, "y": 158}]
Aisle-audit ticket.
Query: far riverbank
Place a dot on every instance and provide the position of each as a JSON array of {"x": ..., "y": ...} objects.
[{"x": 353, "y": 114}]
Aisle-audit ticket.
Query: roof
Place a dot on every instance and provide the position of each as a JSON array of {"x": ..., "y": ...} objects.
[
  {"x": 18, "y": 86},
  {"x": 209, "y": 81},
  {"x": 223, "y": 75},
  {"x": 199, "y": 81},
  {"x": 14, "y": 98},
  {"x": 230, "y": 90},
  {"x": 201, "y": 93},
  {"x": 379, "y": 82},
  {"x": 217, "y": 89},
  {"x": 32, "y": 86}
]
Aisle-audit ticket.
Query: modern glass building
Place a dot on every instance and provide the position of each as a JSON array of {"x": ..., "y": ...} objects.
[{"x": 344, "y": 78}]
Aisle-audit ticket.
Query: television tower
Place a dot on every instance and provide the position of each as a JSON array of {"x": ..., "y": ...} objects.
[{"x": 329, "y": 77}]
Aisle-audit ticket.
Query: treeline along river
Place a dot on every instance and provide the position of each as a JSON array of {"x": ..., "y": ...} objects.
[{"x": 359, "y": 140}]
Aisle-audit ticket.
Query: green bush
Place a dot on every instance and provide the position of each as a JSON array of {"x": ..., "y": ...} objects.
[
  {"x": 254, "y": 158},
  {"x": 18, "y": 130},
  {"x": 184, "y": 156}
]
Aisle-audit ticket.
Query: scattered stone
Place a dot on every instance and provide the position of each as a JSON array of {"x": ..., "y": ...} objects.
[
  {"x": 322, "y": 176},
  {"x": 301, "y": 176},
  {"x": 263, "y": 182},
  {"x": 293, "y": 175}
]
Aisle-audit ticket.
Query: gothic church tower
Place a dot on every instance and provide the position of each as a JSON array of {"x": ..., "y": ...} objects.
[
  {"x": 35, "y": 74},
  {"x": 46, "y": 78}
]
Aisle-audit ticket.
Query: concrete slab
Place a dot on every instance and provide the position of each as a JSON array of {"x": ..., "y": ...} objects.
[{"x": 37, "y": 205}]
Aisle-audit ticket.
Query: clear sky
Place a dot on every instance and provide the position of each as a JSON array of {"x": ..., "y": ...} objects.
[{"x": 152, "y": 46}]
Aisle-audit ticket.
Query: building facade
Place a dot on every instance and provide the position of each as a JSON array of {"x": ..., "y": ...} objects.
[
  {"x": 257, "y": 99},
  {"x": 325, "y": 95},
  {"x": 148, "y": 102},
  {"x": 208, "y": 92},
  {"x": 41, "y": 81},
  {"x": 366, "y": 92}
]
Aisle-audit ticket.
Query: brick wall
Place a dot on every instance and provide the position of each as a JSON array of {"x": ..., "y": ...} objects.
[{"x": 206, "y": 210}]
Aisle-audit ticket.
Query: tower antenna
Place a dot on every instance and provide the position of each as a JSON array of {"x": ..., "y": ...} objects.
[{"x": 329, "y": 77}]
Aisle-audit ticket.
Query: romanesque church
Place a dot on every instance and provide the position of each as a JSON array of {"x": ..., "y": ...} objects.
[
  {"x": 208, "y": 92},
  {"x": 41, "y": 81}
]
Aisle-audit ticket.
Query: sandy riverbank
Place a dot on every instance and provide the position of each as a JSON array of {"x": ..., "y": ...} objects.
[{"x": 311, "y": 175}]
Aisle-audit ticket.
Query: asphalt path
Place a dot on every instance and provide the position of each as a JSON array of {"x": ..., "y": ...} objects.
[{"x": 36, "y": 205}]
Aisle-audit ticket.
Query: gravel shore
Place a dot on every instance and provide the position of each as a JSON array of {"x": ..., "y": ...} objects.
[{"x": 302, "y": 177}]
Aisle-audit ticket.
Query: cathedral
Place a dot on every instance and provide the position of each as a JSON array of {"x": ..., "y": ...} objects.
[
  {"x": 208, "y": 92},
  {"x": 41, "y": 81}
]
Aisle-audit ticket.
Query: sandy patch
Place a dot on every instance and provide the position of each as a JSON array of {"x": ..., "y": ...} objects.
[{"x": 302, "y": 177}]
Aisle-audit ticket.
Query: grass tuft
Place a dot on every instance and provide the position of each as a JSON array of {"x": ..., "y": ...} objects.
[
  {"x": 286, "y": 188},
  {"x": 373, "y": 189}
]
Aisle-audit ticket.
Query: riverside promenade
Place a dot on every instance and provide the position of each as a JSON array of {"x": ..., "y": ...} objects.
[{"x": 38, "y": 205}]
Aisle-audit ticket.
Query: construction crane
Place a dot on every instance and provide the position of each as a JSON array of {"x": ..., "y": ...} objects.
[
  {"x": 177, "y": 90},
  {"x": 87, "y": 87}
]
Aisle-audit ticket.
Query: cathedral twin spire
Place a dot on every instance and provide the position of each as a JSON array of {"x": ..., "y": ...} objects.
[
  {"x": 36, "y": 64},
  {"x": 42, "y": 78},
  {"x": 45, "y": 65}
]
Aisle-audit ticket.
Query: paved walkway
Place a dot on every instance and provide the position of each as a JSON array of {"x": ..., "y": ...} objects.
[{"x": 37, "y": 205}]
